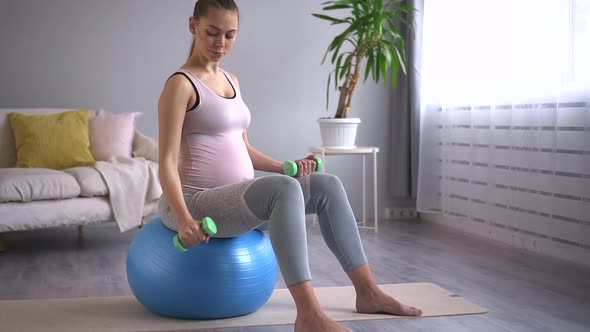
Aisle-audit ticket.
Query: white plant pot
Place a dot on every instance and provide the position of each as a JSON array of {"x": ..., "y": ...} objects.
[{"x": 339, "y": 133}]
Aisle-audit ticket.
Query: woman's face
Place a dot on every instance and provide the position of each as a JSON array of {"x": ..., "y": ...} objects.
[{"x": 215, "y": 33}]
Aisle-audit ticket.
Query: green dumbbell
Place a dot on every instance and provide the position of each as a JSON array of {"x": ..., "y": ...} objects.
[
  {"x": 290, "y": 167},
  {"x": 207, "y": 226}
]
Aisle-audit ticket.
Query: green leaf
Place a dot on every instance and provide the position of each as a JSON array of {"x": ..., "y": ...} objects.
[
  {"x": 387, "y": 53},
  {"x": 379, "y": 66},
  {"x": 352, "y": 42},
  {"x": 333, "y": 7},
  {"x": 403, "y": 17},
  {"x": 370, "y": 60},
  {"x": 340, "y": 65},
  {"x": 395, "y": 35},
  {"x": 328, "y": 91},
  {"x": 329, "y": 18},
  {"x": 379, "y": 6},
  {"x": 343, "y": 2},
  {"x": 401, "y": 59},
  {"x": 347, "y": 65},
  {"x": 384, "y": 66},
  {"x": 340, "y": 68},
  {"x": 335, "y": 55},
  {"x": 334, "y": 45},
  {"x": 336, "y": 52}
]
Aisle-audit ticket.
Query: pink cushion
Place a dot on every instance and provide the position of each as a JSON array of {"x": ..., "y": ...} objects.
[{"x": 111, "y": 134}]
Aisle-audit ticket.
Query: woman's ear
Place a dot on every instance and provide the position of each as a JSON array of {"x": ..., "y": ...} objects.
[{"x": 192, "y": 25}]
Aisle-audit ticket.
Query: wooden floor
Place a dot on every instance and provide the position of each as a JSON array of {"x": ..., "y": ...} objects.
[{"x": 523, "y": 291}]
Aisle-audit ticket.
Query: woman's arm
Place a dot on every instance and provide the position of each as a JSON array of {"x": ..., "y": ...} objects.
[{"x": 175, "y": 97}]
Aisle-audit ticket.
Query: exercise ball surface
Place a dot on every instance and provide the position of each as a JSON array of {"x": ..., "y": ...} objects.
[{"x": 226, "y": 277}]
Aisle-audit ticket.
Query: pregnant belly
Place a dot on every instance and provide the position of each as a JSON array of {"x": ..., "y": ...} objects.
[{"x": 208, "y": 166}]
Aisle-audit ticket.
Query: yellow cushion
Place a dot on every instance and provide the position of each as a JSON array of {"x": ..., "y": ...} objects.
[{"x": 55, "y": 141}]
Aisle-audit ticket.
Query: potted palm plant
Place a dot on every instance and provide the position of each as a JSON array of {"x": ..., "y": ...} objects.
[{"x": 371, "y": 37}]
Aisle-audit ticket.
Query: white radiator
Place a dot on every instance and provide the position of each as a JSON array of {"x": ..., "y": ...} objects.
[{"x": 517, "y": 172}]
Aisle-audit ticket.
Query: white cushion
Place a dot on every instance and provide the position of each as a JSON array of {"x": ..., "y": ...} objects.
[
  {"x": 90, "y": 181},
  {"x": 33, "y": 184}
]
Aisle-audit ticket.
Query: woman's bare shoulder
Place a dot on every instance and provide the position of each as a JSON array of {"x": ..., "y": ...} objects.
[
  {"x": 233, "y": 77},
  {"x": 178, "y": 83}
]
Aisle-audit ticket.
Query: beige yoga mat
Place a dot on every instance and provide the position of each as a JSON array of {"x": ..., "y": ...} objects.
[{"x": 125, "y": 313}]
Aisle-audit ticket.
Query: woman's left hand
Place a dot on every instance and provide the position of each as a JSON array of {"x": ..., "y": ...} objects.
[{"x": 305, "y": 166}]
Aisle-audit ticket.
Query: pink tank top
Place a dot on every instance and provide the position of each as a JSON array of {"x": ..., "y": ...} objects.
[{"x": 212, "y": 150}]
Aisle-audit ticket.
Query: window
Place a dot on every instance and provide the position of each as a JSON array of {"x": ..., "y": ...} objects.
[{"x": 499, "y": 48}]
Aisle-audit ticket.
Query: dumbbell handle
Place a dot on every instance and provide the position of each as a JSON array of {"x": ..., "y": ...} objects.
[
  {"x": 207, "y": 226},
  {"x": 290, "y": 167}
]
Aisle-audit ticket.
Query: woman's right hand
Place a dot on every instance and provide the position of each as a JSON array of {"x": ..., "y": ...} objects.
[
  {"x": 190, "y": 233},
  {"x": 306, "y": 166}
]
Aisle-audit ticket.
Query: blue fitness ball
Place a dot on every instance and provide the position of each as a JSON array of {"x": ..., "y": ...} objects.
[{"x": 226, "y": 277}]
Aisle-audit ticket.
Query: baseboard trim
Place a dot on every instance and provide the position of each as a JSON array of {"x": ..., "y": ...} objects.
[{"x": 399, "y": 213}]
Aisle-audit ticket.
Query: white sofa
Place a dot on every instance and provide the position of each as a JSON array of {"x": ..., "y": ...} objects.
[{"x": 33, "y": 198}]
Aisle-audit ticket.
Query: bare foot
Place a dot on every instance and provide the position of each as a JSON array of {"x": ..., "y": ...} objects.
[
  {"x": 317, "y": 322},
  {"x": 378, "y": 302}
]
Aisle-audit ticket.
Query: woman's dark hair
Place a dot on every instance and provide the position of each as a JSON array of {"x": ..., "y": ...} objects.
[{"x": 202, "y": 9}]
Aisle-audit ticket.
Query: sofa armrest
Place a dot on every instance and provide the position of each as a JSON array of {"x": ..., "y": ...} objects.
[{"x": 144, "y": 146}]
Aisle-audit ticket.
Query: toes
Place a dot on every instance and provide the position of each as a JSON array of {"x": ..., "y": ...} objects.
[{"x": 415, "y": 311}]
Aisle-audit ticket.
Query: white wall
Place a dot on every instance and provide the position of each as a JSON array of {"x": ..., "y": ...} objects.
[{"x": 117, "y": 55}]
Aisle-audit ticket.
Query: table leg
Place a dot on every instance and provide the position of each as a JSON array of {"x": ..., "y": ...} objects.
[
  {"x": 375, "y": 198},
  {"x": 364, "y": 192}
]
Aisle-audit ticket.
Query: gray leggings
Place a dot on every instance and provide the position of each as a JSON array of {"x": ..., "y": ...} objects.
[{"x": 282, "y": 202}]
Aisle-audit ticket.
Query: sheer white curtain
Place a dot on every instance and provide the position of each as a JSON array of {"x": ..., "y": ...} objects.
[{"x": 505, "y": 119}]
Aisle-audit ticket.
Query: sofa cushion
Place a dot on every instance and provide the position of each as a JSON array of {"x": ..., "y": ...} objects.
[
  {"x": 7, "y": 148},
  {"x": 53, "y": 141},
  {"x": 145, "y": 147},
  {"x": 90, "y": 181},
  {"x": 33, "y": 184},
  {"x": 111, "y": 134}
]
